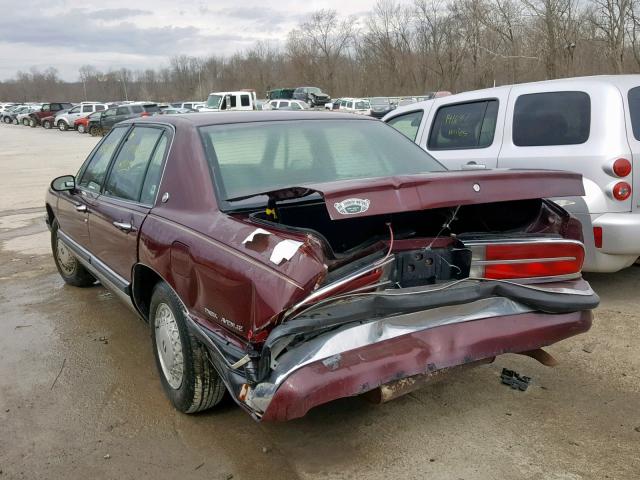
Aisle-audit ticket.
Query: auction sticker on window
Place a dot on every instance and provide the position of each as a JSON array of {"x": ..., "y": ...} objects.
[{"x": 351, "y": 206}]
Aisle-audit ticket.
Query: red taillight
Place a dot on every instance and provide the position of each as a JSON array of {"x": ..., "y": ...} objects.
[
  {"x": 597, "y": 237},
  {"x": 529, "y": 260},
  {"x": 622, "y": 167},
  {"x": 144, "y": 114},
  {"x": 621, "y": 191}
]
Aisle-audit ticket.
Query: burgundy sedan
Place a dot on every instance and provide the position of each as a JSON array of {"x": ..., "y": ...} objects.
[{"x": 293, "y": 258}]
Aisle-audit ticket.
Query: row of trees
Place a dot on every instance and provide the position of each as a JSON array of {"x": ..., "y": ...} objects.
[{"x": 397, "y": 49}]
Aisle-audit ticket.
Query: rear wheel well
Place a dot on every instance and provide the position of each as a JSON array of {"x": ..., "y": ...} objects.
[{"x": 144, "y": 280}]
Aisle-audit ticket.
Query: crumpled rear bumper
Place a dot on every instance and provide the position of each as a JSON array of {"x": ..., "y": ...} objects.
[{"x": 357, "y": 371}]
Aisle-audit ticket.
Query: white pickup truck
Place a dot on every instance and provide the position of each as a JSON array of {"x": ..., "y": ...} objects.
[
  {"x": 222, "y": 101},
  {"x": 588, "y": 125}
]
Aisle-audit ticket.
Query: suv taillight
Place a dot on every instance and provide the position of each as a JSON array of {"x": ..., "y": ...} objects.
[
  {"x": 622, "y": 167},
  {"x": 621, "y": 191},
  {"x": 544, "y": 258},
  {"x": 144, "y": 114}
]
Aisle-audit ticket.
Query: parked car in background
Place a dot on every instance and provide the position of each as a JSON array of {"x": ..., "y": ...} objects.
[
  {"x": 81, "y": 125},
  {"x": 334, "y": 104},
  {"x": 65, "y": 120},
  {"x": 380, "y": 106},
  {"x": 225, "y": 101},
  {"x": 173, "y": 111},
  {"x": 25, "y": 117},
  {"x": 188, "y": 105},
  {"x": 359, "y": 106},
  {"x": 312, "y": 96},
  {"x": 47, "y": 110},
  {"x": 9, "y": 115},
  {"x": 49, "y": 121},
  {"x": 366, "y": 261},
  {"x": 288, "y": 105},
  {"x": 105, "y": 122},
  {"x": 280, "y": 93},
  {"x": 7, "y": 105},
  {"x": 589, "y": 125}
]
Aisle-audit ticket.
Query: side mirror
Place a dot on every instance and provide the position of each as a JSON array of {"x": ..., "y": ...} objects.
[{"x": 64, "y": 183}]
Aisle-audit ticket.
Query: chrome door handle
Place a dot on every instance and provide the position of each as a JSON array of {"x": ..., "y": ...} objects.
[
  {"x": 474, "y": 166},
  {"x": 81, "y": 208},
  {"x": 125, "y": 227}
]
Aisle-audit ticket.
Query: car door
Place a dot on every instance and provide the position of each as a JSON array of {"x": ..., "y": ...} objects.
[
  {"x": 73, "y": 114},
  {"x": 74, "y": 206},
  {"x": 127, "y": 196},
  {"x": 465, "y": 132}
]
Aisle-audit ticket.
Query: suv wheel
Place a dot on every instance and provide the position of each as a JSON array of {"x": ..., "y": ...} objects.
[
  {"x": 6, "y": 119},
  {"x": 94, "y": 131},
  {"x": 62, "y": 126},
  {"x": 81, "y": 128},
  {"x": 32, "y": 123},
  {"x": 15, "y": 121},
  {"x": 25, "y": 122},
  {"x": 47, "y": 124},
  {"x": 70, "y": 269},
  {"x": 187, "y": 376}
]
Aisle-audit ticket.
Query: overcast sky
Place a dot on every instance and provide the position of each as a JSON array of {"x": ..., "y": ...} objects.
[{"x": 143, "y": 33}]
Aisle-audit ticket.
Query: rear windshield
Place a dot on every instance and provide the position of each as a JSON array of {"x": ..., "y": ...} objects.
[
  {"x": 252, "y": 158},
  {"x": 634, "y": 111},
  {"x": 151, "y": 108}
]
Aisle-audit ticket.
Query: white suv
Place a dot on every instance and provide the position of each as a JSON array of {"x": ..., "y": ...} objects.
[
  {"x": 65, "y": 121},
  {"x": 589, "y": 125}
]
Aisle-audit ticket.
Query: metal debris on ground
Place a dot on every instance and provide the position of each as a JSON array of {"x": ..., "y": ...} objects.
[{"x": 514, "y": 380}]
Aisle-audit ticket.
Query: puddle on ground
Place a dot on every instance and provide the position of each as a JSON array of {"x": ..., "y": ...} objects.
[
  {"x": 34, "y": 244},
  {"x": 18, "y": 220}
]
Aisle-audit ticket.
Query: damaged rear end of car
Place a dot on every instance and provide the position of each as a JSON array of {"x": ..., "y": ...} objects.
[{"x": 412, "y": 276}]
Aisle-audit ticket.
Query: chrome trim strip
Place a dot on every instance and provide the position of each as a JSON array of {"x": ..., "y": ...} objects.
[{"x": 227, "y": 249}]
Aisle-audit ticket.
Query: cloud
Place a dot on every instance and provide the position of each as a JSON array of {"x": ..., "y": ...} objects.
[{"x": 116, "y": 13}]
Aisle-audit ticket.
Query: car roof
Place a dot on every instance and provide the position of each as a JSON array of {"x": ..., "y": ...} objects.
[{"x": 223, "y": 118}]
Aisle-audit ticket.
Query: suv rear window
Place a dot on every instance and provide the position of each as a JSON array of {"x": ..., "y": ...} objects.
[
  {"x": 551, "y": 118},
  {"x": 151, "y": 108},
  {"x": 634, "y": 110},
  {"x": 464, "y": 125},
  {"x": 136, "y": 109}
]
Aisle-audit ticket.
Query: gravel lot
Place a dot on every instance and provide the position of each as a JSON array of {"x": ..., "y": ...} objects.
[{"x": 80, "y": 398}]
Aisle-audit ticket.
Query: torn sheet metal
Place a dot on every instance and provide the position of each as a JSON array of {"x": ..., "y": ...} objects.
[
  {"x": 252, "y": 235},
  {"x": 284, "y": 250}
]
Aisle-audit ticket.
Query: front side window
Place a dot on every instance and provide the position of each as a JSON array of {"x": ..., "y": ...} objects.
[
  {"x": 551, "y": 118},
  {"x": 75, "y": 110},
  {"x": 122, "y": 111},
  {"x": 93, "y": 176},
  {"x": 295, "y": 106},
  {"x": 464, "y": 125},
  {"x": 251, "y": 158},
  {"x": 407, "y": 124},
  {"x": 46, "y": 108},
  {"x": 130, "y": 166}
]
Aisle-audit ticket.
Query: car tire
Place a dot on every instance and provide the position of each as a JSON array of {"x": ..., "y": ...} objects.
[
  {"x": 62, "y": 126},
  {"x": 94, "y": 131},
  {"x": 69, "y": 268},
  {"x": 81, "y": 128},
  {"x": 16, "y": 122},
  {"x": 6, "y": 119},
  {"x": 187, "y": 376},
  {"x": 47, "y": 124},
  {"x": 32, "y": 123},
  {"x": 25, "y": 122}
]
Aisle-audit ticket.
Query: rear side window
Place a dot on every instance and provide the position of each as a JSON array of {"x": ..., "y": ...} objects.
[
  {"x": 99, "y": 107},
  {"x": 154, "y": 172},
  {"x": 122, "y": 111},
  {"x": 93, "y": 175},
  {"x": 130, "y": 166},
  {"x": 85, "y": 109},
  {"x": 464, "y": 125},
  {"x": 634, "y": 111},
  {"x": 408, "y": 124},
  {"x": 551, "y": 118},
  {"x": 244, "y": 100}
]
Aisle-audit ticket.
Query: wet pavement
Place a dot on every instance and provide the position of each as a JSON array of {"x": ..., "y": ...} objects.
[{"x": 80, "y": 396}]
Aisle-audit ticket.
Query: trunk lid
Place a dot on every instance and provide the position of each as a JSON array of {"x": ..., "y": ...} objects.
[{"x": 379, "y": 196}]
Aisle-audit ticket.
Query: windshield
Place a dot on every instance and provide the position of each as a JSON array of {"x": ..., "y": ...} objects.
[
  {"x": 214, "y": 101},
  {"x": 252, "y": 158},
  {"x": 314, "y": 90}
]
